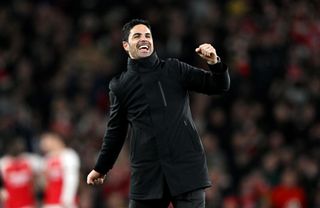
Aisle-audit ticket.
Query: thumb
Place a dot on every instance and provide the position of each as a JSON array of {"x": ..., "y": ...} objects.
[
  {"x": 198, "y": 50},
  {"x": 90, "y": 180}
]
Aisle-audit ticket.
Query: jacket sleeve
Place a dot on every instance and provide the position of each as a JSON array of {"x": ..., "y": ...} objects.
[
  {"x": 211, "y": 82},
  {"x": 114, "y": 136}
]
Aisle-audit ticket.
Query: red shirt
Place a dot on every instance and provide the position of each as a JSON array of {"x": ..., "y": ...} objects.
[
  {"x": 54, "y": 180},
  {"x": 62, "y": 179},
  {"x": 18, "y": 174},
  {"x": 285, "y": 197}
]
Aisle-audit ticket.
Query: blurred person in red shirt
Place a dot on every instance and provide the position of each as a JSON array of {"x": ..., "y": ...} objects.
[
  {"x": 61, "y": 169},
  {"x": 288, "y": 194},
  {"x": 18, "y": 172}
]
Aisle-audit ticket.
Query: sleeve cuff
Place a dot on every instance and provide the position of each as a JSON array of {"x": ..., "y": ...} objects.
[
  {"x": 218, "y": 68},
  {"x": 101, "y": 167},
  {"x": 100, "y": 170}
]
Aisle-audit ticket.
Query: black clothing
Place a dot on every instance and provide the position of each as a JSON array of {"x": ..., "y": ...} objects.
[
  {"x": 192, "y": 199},
  {"x": 152, "y": 96}
]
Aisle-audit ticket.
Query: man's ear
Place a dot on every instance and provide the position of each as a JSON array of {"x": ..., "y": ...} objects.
[{"x": 125, "y": 45}]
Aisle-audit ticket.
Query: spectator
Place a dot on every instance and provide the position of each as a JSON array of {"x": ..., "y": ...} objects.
[{"x": 288, "y": 193}]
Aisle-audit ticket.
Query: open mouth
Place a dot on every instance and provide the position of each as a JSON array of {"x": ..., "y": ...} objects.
[{"x": 144, "y": 46}]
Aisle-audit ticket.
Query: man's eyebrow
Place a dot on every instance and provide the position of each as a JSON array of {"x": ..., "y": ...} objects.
[{"x": 137, "y": 33}]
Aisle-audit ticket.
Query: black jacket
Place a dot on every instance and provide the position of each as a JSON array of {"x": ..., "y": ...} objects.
[{"x": 152, "y": 97}]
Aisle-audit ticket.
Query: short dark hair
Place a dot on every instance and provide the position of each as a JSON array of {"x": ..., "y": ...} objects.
[
  {"x": 129, "y": 25},
  {"x": 15, "y": 146}
]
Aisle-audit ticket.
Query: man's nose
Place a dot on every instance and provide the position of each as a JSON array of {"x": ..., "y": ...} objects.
[{"x": 143, "y": 38}]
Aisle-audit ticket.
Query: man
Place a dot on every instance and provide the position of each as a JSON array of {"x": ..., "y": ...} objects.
[
  {"x": 18, "y": 172},
  {"x": 62, "y": 166},
  {"x": 167, "y": 157}
]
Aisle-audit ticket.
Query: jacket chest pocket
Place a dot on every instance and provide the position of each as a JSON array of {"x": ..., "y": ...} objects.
[
  {"x": 163, "y": 96},
  {"x": 155, "y": 94}
]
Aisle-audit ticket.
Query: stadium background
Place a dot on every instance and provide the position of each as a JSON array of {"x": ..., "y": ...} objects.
[{"x": 57, "y": 56}]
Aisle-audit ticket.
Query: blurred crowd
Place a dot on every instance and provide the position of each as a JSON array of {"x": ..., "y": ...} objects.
[{"x": 262, "y": 138}]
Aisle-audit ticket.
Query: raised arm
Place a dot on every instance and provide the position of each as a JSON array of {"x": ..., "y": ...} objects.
[{"x": 215, "y": 81}]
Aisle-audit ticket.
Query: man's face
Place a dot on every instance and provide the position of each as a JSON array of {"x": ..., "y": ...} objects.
[{"x": 140, "y": 42}]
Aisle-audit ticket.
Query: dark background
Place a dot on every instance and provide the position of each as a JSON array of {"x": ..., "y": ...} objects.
[{"x": 57, "y": 57}]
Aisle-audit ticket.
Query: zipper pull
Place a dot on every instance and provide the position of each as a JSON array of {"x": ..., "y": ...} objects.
[
  {"x": 162, "y": 94},
  {"x": 185, "y": 122}
]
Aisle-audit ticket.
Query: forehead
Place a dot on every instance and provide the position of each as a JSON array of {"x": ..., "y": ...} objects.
[
  {"x": 49, "y": 138},
  {"x": 140, "y": 29}
]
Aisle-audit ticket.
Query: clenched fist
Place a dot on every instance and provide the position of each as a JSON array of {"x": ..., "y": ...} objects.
[
  {"x": 95, "y": 178},
  {"x": 208, "y": 53}
]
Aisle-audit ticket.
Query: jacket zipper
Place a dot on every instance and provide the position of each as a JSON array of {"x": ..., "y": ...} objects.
[{"x": 162, "y": 94}]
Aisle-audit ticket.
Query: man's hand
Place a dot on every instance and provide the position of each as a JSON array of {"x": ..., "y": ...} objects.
[
  {"x": 95, "y": 178},
  {"x": 208, "y": 53}
]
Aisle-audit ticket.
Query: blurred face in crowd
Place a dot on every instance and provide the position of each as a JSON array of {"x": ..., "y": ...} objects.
[
  {"x": 140, "y": 42},
  {"x": 51, "y": 143},
  {"x": 289, "y": 178}
]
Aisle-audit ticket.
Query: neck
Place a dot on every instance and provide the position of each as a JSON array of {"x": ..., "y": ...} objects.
[{"x": 146, "y": 64}]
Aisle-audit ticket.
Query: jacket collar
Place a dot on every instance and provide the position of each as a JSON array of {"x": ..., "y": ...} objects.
[{"x": 146, "y": 64}]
